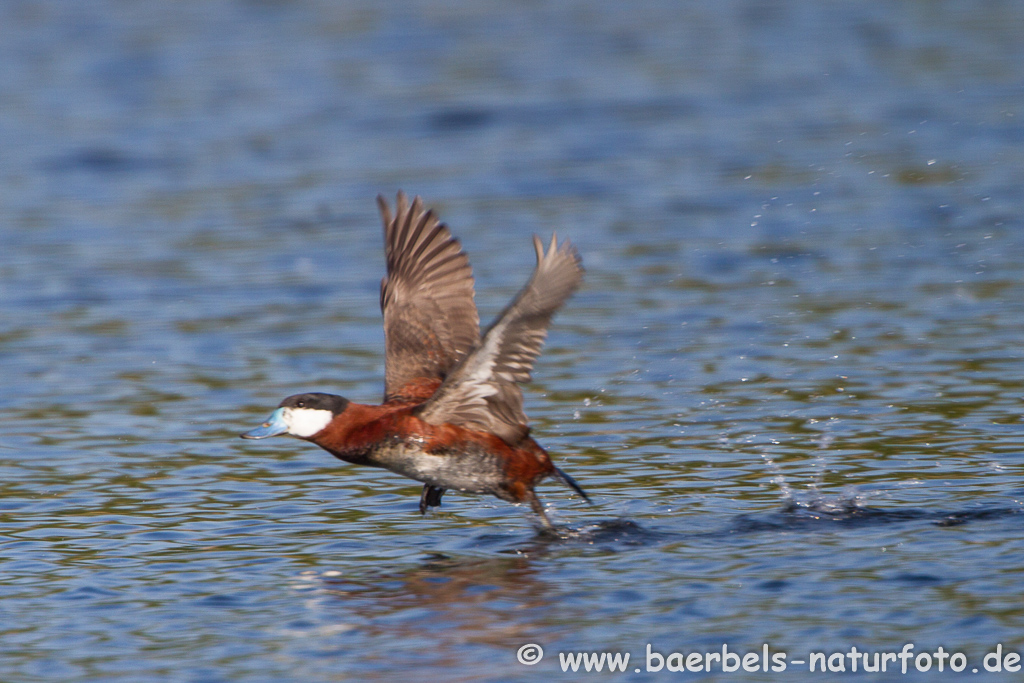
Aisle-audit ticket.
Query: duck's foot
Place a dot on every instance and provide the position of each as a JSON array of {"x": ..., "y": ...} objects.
[{"x": 430, "y": 498}]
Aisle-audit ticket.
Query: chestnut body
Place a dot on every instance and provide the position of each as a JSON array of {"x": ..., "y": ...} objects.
[{"x": 445, "y": 456}]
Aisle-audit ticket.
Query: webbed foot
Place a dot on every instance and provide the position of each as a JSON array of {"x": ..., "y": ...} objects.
[{"x": 430, "y": 498}]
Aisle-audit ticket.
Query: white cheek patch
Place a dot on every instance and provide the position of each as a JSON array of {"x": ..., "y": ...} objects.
[{"x": 305, "y": 422}]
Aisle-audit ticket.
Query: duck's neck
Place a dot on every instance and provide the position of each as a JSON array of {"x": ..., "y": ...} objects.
[{"x": 355, "y": 434}]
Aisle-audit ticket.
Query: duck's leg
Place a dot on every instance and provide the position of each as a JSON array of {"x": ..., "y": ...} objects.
[
  {"x": 538, "y": 509},
  {"x": 430, "y": 498}
]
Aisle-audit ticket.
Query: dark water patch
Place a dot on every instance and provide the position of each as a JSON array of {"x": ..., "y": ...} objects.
[
  {"x": 610, "y": 113},
  {"x": 774, "y": 586},
  {"x": 456, "y": 120},
  {"x": 107, "y": 161},
  {"x": 918, "y": 579},
  {"x": 219, "y": 601},
  {"x": 850, "y": 514},
  {"x": 623, "y": 535}
]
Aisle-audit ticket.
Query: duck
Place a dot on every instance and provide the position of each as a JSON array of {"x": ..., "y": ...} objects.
[{"x": 452, "y": 416}]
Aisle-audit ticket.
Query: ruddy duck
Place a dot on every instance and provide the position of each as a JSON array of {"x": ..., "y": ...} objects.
[{"x": 452, "y": 415}]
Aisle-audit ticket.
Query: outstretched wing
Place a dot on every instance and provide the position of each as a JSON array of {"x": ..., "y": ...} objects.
[
  {"x": 430, "y": 320},
  {"x": 483, "y": 392}
]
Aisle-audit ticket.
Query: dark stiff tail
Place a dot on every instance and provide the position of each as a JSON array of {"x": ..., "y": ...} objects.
[{"x": 571, "y": 483}]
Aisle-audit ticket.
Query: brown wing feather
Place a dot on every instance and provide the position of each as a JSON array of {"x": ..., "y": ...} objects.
[
  {"x": 483, "y": 392},
  {"x": 430, "y": 319}
]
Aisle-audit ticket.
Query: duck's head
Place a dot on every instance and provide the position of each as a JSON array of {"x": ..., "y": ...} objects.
[{"x": 301, "y": 415}]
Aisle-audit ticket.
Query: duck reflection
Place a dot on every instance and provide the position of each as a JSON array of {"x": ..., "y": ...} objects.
[
  {"x": 437, "y": 609},
  {"x": 450, "y": 601}
]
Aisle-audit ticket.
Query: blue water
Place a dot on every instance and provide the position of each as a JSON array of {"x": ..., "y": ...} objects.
[{"x": 792, "y": 382}]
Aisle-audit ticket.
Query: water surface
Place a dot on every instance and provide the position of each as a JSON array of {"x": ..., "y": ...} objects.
[{"x": 792, "y": 383}]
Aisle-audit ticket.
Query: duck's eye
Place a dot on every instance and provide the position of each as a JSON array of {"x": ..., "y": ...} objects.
[{"x": 300, "y": 404}]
